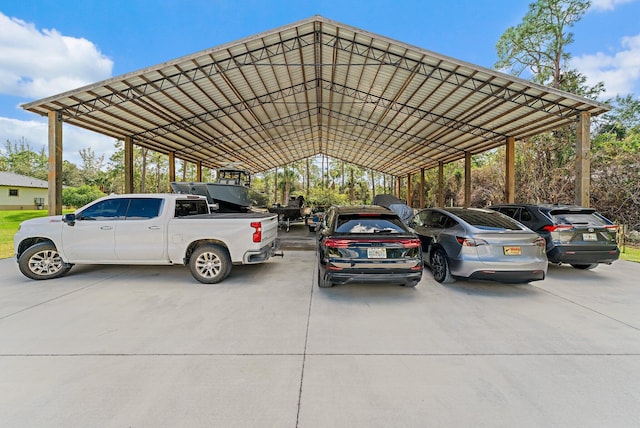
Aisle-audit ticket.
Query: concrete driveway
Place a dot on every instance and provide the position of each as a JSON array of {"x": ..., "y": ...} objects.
[{"x": 116, "y": 346}]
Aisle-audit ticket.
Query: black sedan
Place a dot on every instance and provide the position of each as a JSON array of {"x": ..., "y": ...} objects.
[{"x": 367, "y": 244}]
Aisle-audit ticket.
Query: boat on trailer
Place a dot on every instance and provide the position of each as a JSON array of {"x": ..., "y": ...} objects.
[{"x": 229, "y": 193}]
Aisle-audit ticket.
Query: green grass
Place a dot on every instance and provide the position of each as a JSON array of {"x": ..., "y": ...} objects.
[{"x": 630, "y": 253}]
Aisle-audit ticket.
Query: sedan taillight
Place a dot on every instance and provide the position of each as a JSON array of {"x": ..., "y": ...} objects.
[
  {"x": 540, "y": 242},
  {"x": 470, "y": 242}
]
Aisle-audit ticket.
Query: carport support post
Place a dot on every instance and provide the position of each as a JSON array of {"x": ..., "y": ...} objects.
[
  {"x": 373, "y": 185},
  {"x": 172, "y": 166},
  {"x": 510, "y": 176},
  {"x": 409, "y": 189},
  {"x": 199, "y": 171},
  {"x": 421, "y": 188},
  {"x": 441, "y": 184},
  {"x": 275, "y": 186},
  {"x": 583, "y": 159},
  {"x": 467, "y": 179},
  {"x": 128, "y": 165},
  {"x": 55, "y": 163}
]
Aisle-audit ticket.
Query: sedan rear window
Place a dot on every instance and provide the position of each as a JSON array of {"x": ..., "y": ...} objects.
[
  {"x": 488, "y": 220},
  {"x": 357, "y": 224}
]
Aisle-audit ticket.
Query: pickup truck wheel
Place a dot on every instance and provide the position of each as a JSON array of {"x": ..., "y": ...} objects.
[
  {"x": 42, "y": 261},
  {"x": 210, "y": 264}
]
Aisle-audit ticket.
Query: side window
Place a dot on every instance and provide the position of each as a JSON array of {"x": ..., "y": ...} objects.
[
  {"x": 510, "y": 211},
  {"x": 434, "y": 219},
  {"x": 143, "y": 208},
  {"x": 449, "y": 222},
  {"x": 525, "y": 215},
  {"x": 190, "y": 207},
  {"x": 110, "y": 209},
  {"x": 417, "y": 220}
]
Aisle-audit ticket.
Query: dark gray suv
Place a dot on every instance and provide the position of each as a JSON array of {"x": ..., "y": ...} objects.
[{"x": 575, "y": 235}]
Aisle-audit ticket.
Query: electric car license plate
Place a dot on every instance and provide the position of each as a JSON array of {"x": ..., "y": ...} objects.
[
  {"x": 377, "y": 253},
  {"x": 512, "y": 251},
  {"x": 589, "y": 237}
]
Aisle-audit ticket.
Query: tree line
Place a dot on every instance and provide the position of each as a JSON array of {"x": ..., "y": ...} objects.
[{"x": 537, "y": 48}]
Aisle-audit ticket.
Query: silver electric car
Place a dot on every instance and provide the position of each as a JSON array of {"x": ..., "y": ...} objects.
[{"x": 478, "y": 244}]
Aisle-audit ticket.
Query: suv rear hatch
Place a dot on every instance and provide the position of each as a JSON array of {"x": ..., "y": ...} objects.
[{"x": 583, "y": 229}]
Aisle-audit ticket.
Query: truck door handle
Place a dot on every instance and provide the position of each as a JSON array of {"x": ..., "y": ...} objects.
[
  {"x": 105, "y": 227},
  {"x": 154, "y": 227}
]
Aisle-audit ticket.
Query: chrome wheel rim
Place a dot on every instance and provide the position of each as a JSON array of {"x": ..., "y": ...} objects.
[
  {"x": 208, "y": 265},
  {"x": 46, "y": 262}
]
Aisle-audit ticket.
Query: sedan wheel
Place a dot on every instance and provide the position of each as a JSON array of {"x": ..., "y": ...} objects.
[{"x": 440, "y": 267}]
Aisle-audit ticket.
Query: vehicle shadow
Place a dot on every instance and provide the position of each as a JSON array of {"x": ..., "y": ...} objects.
[
  {"x": 569, "y": 274},
  {"x": 367, "y": 293},
  {"x": 492, "y": 289},
  {"x": 473, "y": 287}
]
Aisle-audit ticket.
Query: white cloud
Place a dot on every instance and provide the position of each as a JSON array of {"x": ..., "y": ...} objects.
[
  {"x": 607, "y": 4},
  {"x": 35, "y": 133},
  {"x": 36, "y": 64},
  {"x": 619, "y": 71}
]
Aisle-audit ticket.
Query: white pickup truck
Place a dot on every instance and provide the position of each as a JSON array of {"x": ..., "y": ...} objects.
[{"x": 146, "y": 229}]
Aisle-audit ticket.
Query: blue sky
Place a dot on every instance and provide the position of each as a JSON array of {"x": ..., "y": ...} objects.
[{"x": 47, "y": 47}]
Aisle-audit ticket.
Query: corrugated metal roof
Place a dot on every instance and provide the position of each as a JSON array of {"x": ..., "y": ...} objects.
[
  {"x": 318, "y": 87},
  {"x": 17, "y": 180}
]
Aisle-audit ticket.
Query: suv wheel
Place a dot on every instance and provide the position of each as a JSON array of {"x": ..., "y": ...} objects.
[{"x": 587, "y": 266}]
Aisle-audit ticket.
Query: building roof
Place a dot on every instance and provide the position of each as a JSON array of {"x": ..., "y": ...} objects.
[
  {"x": 317, "y": 87},
  {"x": 17, "y": 180}
]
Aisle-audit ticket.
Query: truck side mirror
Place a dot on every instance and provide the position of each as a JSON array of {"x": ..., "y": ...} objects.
[{"x": 70, "y": 219}]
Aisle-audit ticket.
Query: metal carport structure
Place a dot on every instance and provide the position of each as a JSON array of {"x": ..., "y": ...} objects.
[{"x": 317, "y": 87}]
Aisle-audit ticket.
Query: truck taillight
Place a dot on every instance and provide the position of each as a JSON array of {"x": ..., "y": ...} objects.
[{"x": 257, "y": 233}]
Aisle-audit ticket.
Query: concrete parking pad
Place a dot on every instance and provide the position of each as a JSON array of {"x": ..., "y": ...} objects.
[{"x": 149, "y": 346}]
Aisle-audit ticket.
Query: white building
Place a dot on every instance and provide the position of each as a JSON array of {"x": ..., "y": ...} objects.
[{"x": 19, "y": 192}]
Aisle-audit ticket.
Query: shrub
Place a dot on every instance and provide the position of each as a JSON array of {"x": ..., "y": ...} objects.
[{"x": 79, "y": 196}]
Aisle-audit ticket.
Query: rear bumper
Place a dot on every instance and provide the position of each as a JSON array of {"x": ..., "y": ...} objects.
[
  {"x": 580, "y": 255},
  {"x": 346, "y": 277},
  {"x": 263, "y": 254},
  {"x": 509, "y": 276},
  {"x": 515, "y": 272}
]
